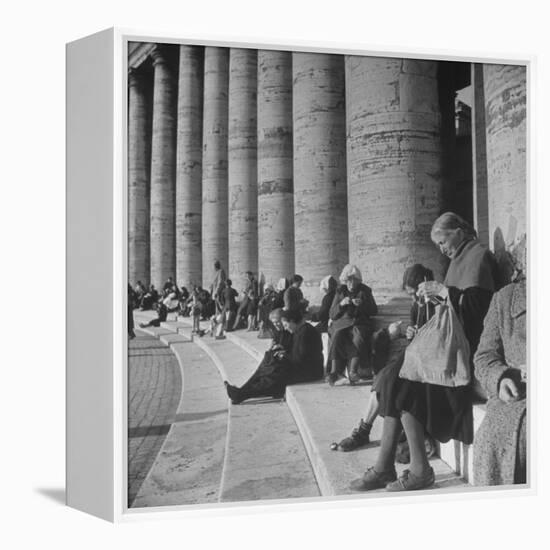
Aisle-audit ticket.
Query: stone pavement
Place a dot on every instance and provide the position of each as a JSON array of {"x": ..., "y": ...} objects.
[{"x": 154, "y": 389}]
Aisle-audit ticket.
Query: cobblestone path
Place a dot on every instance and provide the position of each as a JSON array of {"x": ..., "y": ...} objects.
[{"x": 154, "y": 390}]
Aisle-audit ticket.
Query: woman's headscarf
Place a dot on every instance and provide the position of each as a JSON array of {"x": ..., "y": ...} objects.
[
  {"x": 327, "y": 284},
  {"x": 350, "y": 271},
  {"x": 281, "y": 284}
]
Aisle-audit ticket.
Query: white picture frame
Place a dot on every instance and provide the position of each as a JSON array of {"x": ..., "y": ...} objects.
[{"x": 96, "y": 266}]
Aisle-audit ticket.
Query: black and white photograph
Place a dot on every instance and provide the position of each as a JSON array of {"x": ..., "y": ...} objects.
[
  {"x": 275, "y": 275},
  {"x": 327, "y": 275}
]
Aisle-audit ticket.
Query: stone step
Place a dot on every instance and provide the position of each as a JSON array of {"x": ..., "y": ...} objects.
[
  {"x": 319, "y": 427},
  {"x": 340, "y": 413},
  {"x": 265, "y": 457},
  {"x": 456, "y": 455}
]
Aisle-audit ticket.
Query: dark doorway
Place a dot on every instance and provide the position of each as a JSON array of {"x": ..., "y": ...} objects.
[{"x": 455, "y": 99}]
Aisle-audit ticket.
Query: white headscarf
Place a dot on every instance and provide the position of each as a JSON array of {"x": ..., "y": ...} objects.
[
  {"x": 324, "y": 284},
  {"x": 281, "y": 284},
  {"x": 350, "y": 271}
]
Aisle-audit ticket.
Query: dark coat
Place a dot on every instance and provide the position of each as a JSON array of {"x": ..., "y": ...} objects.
[
  {"x": 323, "y": 315},
  {"x": 352, "y": 315},
  {"x": 306, "y": 355},
  {"x": 501, "y": 351},
  {"x": 294, "y": 299},
  {"x": 351, "y": 326},
  {"x": 228, "y": 299}
]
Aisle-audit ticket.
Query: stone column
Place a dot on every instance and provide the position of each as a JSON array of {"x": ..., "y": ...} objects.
[
  {"x": 275, "y": 188},
  {"x": 479, "y": 156},
  {"x": 139, "y": 159},
  {"x": 163, "y": 170},
  {"x": 505, "y": 116},
  {"x": 214, "y": 162},
  {"x": 394, "y": 167},
  {"x": 320, "y": 214},
  {"x": 189, "y": 167},
  {"x": 242, "y": 164}
]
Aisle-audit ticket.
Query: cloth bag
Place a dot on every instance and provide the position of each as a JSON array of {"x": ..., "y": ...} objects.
[{"x": 439, "y": 353}]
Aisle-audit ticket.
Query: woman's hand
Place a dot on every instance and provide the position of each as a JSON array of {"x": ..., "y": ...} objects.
[
  {"x": 356, "y": 301},
  {"x": 345, "y": 301},
  {"x": 411, "y": 332},
  {"x": 430, "y": 289},
  {"x": 508, "y": 391}
]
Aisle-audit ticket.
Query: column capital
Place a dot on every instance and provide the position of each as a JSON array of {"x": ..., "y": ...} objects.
[{"x": 159, "y": 55}]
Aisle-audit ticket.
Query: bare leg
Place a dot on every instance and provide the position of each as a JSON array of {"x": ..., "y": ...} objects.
[
  {"x": 388, "y": 444},
  {"x": 372, "y": 409},
  {"x": 414, "y": 431}
]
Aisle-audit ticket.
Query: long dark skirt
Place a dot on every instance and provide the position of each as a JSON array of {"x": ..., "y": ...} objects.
[
  {"x": 269, "y": 379},
  {"x": 349, "y": 343},
  {"x": 445, "y": 413}
]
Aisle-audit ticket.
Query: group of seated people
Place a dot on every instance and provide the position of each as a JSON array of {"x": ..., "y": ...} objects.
[
  {"x": 493, "y": 321},
  {"x": 494, "y": 324}
]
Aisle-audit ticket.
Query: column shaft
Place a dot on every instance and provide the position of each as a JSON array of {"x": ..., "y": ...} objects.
[
  {"x": 479, "y": 156},
  {"x": 242, "y": 163},
  {"x": 275, "y": 187},
  {"x": 189, "y": 167},
  {"x": 394, "y": 167},
  {"x": 320, "y": 223},
  {"x": 214, "y": 174},
  {"x": 163, "y": 164},
  {"x": 139, "y": 159},
  {"x": 505, "y": 116}
]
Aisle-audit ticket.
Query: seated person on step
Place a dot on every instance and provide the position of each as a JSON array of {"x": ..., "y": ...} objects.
[
  {"x": 306, "y": 354},
  {"x": 500, "y": 447},
  {"x": 352, "y": 327},
  {"x": 386, "y": 372},
  {"x": 271, "y": 376},
  {"x": 442, "y": 411},
  {"x": 162, "y": 313},
  {"x": 293, "y": 296},
  {"x": 322, "y": 316},
  {"x": 149, "y": 298}
]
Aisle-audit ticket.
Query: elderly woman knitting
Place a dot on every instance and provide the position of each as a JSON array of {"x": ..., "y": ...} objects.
[{"x": 351, "y": 328}]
